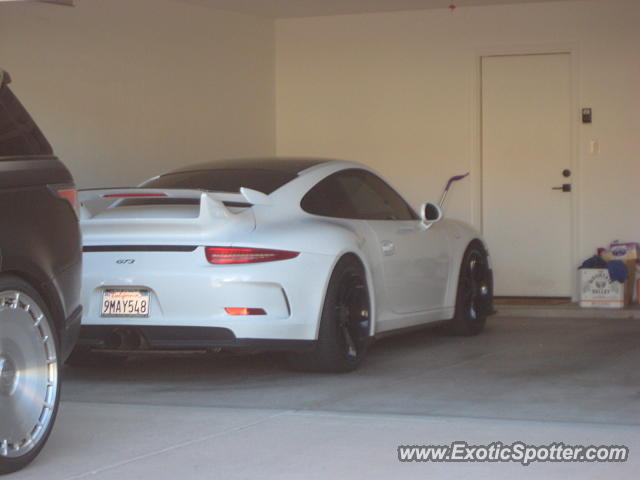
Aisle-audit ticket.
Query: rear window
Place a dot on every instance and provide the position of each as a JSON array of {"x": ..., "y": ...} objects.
[
  {"x": 19, "y": 135},
  {"x": 224, "y": 180}
]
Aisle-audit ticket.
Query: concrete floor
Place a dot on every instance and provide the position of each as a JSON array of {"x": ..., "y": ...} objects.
[{"x": 538, "y": 380}]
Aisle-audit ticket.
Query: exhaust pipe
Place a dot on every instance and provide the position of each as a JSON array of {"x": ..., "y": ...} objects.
[{"x": 124, "y": 339}]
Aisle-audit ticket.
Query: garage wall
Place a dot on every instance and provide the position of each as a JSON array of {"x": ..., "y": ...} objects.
[
  {"x": 400, "y": 92},
  {"x": 125, "y": 89}
]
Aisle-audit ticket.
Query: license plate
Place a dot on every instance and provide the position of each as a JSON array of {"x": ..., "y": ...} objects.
[{"x": 125, "y": 303}]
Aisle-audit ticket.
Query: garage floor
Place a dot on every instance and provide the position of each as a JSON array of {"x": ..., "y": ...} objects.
[{"x": 538, "y": 380}]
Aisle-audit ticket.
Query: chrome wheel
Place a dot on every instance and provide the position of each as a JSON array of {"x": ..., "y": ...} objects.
[{"x": 28, "y": 374}]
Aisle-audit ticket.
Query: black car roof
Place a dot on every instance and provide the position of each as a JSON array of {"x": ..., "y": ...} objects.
[{"x": 291, "y": 166}]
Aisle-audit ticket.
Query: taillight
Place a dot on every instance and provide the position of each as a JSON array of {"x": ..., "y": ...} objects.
[
  {"x": 231, "y": 255},
  {"x": 244, "y": 311},
  {"x": 70, "y": 194}
]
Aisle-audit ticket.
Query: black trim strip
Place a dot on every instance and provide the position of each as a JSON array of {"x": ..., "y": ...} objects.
[
  {"x": 139, "y": 248},
  {"x": 155, "y": 337}
]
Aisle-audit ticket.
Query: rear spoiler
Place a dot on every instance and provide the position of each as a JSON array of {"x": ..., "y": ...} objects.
[{"x": 212, "y": 204}]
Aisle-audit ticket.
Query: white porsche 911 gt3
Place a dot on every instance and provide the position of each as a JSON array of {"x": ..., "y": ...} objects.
[{"x": 308, "y": 256}]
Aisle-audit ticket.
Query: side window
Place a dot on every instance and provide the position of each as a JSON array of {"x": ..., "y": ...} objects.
[
  {"x": 356, "y": 194},
  {"x": 366, "y": 201},
  {"x": 328, "y": 199},
  {"x": 396, "y": 207},
  {"x": 19, "y": 135}
]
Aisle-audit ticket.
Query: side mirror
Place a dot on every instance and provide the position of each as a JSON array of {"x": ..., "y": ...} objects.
[{"x": 430, "y": 213}]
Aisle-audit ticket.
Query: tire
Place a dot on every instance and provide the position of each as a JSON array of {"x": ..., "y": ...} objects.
[
  {"x": 29, "y": 373},
  {"x": 344, "y": 334},
  {"x": 474, "y": 298}
]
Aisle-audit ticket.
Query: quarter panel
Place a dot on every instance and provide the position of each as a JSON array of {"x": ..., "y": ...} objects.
[{"x": 43, "y": 243}]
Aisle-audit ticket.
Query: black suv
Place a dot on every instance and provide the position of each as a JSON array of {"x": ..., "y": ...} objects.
[{"x": 40, "y": 273}]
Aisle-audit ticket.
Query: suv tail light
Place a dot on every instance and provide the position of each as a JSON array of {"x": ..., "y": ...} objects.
[
  {"x": 233, "y": 255},
  {"x": 69, "y": 193}
]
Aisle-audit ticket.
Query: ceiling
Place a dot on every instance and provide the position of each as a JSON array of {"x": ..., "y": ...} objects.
[{"x": 312, "y": 8}]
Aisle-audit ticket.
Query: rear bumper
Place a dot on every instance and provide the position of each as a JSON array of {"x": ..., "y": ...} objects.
[
  {"x": 185, "y": 291},
  {"x": 144, "y": 338}
]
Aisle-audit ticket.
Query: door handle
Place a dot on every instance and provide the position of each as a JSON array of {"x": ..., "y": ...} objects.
[
  {"x": 565, "y": 187},
  {"x": 388, "y": 248}
]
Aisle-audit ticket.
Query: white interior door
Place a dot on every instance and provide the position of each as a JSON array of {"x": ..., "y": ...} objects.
[{"x": 526, "y": 146}]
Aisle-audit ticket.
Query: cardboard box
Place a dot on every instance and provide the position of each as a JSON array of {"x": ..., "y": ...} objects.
[{"x": 598, "y": 291}]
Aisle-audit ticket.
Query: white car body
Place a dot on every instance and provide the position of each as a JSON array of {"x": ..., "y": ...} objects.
[{"x": 411, "y": 266}]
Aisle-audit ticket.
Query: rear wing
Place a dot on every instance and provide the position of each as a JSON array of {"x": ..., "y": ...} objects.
[{"x": 212, "y": 204}]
